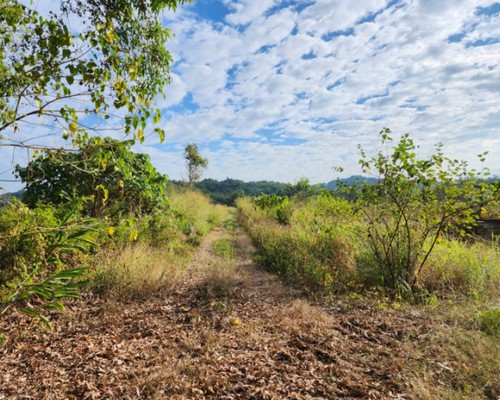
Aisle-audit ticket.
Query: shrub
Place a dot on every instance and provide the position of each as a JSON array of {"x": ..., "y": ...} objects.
[
  {"x": 411, "y": 206},
  {"x": 36, "y": 242}
]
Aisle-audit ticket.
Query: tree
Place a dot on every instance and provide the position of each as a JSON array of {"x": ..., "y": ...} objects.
[
  {"x": 105, "y": 76},
  {"x": 104, "y": 175},
  {"x": 195, "y": 162},
  {"x": 412, "y": 204}
]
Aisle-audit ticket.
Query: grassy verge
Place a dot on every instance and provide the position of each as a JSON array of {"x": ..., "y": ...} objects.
[{"x": 154, "y": 263}]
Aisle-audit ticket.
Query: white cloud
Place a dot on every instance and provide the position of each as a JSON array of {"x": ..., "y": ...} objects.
[{"x": 263, "y": 111}]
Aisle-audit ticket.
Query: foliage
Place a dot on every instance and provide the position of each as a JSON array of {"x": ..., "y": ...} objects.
[
  {"x": 489, "y": 321},
  {"x": 56, "y": 287},
  {"x": 228, "y": 190},
  {"x": 278, "y": 206},
  {"x": 195, "y": 162},
  {"x": 104, "y": 174},
  {"x": 117, "y": 61},
  {"x": 414, "y": 202},
  {"x": 104, "y": 76},
  {"x": 37, "y": 243},
  {"x": 303, "y": 189},
  {"x": 314, "y": 248}
]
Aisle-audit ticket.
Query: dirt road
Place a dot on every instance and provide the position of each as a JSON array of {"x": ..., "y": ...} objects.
[{"x": 229, "y": 331}]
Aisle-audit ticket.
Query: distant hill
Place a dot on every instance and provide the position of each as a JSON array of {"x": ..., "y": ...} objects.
[
  {"x": 226, "y": 191},
  {"x": 351, "y": 180},
  {"x": 7, "y": 197}
]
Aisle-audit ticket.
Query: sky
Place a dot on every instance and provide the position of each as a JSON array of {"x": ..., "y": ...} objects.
[{"x": 284, "y": 90}]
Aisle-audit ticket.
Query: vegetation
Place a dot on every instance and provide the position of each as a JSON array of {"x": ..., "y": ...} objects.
[
  {"x": 404, "y": 234},
  {"x": 227, "y": 191},
  {"x": 414, "y": 202},
  {"x": 195, "y": 162},
  {"x": 393, "y": 256},
  {"x": 78, "y": 83},
  {"x": 103, "y": 178},
  {"x": 117, "y": 61}
]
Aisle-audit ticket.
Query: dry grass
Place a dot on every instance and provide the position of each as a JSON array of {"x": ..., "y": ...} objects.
[
  {"x": 136, "y": 271},
  {"x": 220, "y": 280},
  {"x": 456, "y": 266},
  {"x": 300, "y": 317}
]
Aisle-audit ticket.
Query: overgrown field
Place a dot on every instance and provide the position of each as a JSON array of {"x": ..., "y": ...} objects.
[
  {"x": 406, "y": 291},
  {"x": 49, "y": 252},
  {"x": 320, "y": 245}
]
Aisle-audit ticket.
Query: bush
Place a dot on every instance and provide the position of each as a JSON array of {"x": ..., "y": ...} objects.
[
  {"x": 413, "y": 203},
  {"x": 36, "y": 242},
  {"x": 313, "y": 249}
]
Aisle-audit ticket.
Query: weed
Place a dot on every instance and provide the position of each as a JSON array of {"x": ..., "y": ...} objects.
[
  {"x": 220, "y": 281},
  {"x": 489, "y": 321},
  {"x": 223, "y": 248}
]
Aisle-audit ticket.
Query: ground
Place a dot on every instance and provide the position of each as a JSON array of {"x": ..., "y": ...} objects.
[{"x": 229, "y": 331}]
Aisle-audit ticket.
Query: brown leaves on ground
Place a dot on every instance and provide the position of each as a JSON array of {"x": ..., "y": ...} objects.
[{"x": 259, "y": 340}]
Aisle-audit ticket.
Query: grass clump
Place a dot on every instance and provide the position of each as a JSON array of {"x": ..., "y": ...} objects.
[
  {"x": 136, "y": 271},
  {"x": 489, "y": 321},
  {"x": 223, "y": 248},
  {"x": 220, "y": 280}
]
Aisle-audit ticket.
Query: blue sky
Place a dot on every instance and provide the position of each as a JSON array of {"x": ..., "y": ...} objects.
[{"x": 281, "y": 90}]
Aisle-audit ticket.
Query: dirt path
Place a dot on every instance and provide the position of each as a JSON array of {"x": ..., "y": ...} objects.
[{"x": 230, "y": 331}]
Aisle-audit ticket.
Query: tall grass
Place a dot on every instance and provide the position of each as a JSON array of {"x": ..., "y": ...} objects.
[
  {"x": 324, "y": 247},
  {"x": 459, "y": 267},
  {"x": 197, "y": 215},
  {"x": 137, "y": 271},
  {"x": 311, "y": 249},
  {"x": 154, "y": 261}
]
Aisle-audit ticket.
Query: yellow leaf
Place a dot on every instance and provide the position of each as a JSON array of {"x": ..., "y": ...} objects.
[
  {"x": 140, "y": 134},
  {"x": 73, "y": 127},
  {"x": 111, "y": 230},
  {"x": 133, "y": 235}
]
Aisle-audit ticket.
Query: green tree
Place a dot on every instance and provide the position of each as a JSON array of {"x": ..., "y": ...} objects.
[
  {"x": 104, "y": 76},
  {"x": 114, "y": 66},
  {"x": 105, "y": 175},
  {"x": 413, "y": 203},
  {"x": 195, "y": 162}
]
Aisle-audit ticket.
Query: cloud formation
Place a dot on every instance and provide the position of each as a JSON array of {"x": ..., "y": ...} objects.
[{"x": 284, "y": 89}]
